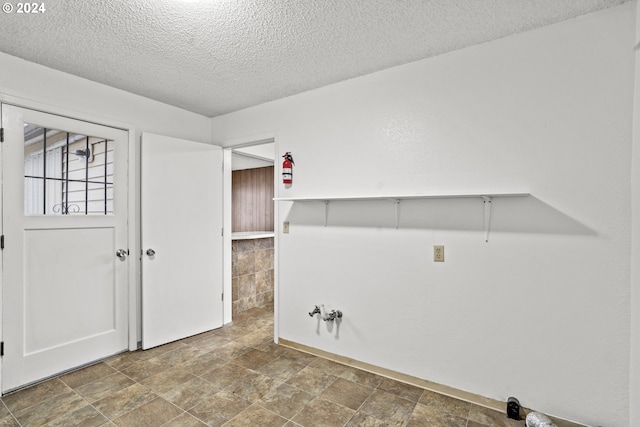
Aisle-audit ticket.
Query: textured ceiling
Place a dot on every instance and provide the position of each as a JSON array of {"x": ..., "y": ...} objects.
[{"x": 217, "y": 56}]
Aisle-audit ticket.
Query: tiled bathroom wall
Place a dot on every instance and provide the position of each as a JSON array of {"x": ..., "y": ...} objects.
[{"x": 252, "y": 281}]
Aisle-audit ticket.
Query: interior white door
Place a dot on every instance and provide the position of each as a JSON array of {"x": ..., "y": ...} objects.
[
  {"x": 181, "y": 197},
  {"x": 64, "y": 218}
]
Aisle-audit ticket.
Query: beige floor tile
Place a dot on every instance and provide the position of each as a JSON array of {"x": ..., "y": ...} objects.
[
  {"x": 86, "y": 375},
  {"x": 347, "y": 393},
  {"x": 253, "y": 359},
  {"x": 191, "y": 393},
  {"x": 286, "y": 400},
  {"x": 167, "y": 380},
  {"x": 256, "y": 416},
  {"x": 184, "y": 420},
  {"x": 406, "y": 391},
  {"x": 427, "y": 416},
  {"x": 203, "y": 363},
  {"x": 151, "y": 414},
  {"x": 145, "y": 368},
  {"x": 256, "y": 338},
  {"x": 210, "y": 343},
  {"x": 51, "y": 409},
  {"x": 9, "y": 421},
  {"x": 362, "y": 420},
  {"x": 198, "y": 337},
  {"x": 181, "y": 355},
  {"x": 364, "y": 378},
  {"x": 124, "y": 401},
  {"x": 86, "y": 416},
  {"x": 281, "y": 368},
  {"x": 253, "y": 386},
  {"x": 33, "y": 395},
  {"x": 226, "y": 375},
  {"x": 103, "y": 387},
  {"x": 278, "y": 350},
  {"x": 235, "y": 331},
  {"x": 231, "y": 350},
  {"x": 311, "y": 380},
  {"x": 323, "y": 413},
  {"x": 219, "y": 409},
  {"x": 445, "y": 403},
  {"x": 491, "y": 418},
  {"x": 386, "y": 406},
  {"x": 161, "y": 349},
  {"x": 122, "y": 360},
  {"x": 329, "y": 367}
]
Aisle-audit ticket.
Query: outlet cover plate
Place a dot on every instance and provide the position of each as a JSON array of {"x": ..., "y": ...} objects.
[{"x": 438, "y": 253}]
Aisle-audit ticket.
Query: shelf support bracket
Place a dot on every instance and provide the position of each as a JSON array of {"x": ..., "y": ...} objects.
[
  {"x": 487, "y": 216},
  {"x": 397, "y": 202},
  {"x": 326, "y": 212}
]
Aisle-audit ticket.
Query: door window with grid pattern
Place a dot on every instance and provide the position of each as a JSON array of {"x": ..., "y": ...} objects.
[{"x": 67, "y": 173}]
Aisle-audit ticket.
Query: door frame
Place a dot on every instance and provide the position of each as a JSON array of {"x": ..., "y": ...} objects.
[
  {"x": 227, "y": 148},
  {"x": 132, "y": 189}
]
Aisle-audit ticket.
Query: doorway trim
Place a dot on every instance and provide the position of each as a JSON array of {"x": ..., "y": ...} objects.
[
  {"x": 132, "y": 195},
  {"x": 228, "y": 147}
]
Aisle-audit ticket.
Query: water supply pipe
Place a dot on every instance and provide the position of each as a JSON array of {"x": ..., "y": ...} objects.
[{"x": 536, "y": 419}]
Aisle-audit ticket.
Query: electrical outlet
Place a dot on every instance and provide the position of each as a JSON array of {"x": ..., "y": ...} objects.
[
  {"x": 285, "y": 227},
  {"x": 438, "y": 253}
]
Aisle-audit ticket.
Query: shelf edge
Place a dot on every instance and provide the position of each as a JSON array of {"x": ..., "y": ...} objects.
[{"x": 398, "y": 197}]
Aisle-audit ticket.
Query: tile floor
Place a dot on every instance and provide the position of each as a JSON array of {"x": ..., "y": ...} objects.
[{"x": 234, "y": 376}]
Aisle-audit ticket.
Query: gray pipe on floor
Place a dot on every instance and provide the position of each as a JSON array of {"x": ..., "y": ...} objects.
[{"x": 536, "y": 419}]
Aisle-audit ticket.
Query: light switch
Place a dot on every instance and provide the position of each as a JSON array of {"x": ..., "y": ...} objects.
[
  {"x": 438, "y": 253},
  {"x": 285, "y": 227}
]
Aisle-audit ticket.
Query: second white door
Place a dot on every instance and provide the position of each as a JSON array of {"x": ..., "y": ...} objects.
[{"x": 181, "y": 192}]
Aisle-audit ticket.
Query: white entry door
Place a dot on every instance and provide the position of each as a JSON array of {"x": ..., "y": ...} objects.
[
  {"x": 181, "y": 238},
  {"x": 64, "y": 218}
]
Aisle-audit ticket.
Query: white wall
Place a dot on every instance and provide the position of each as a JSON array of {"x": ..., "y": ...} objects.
[
  {"x": 541, "y": 312},
  {"x": 56, "y": 92}
]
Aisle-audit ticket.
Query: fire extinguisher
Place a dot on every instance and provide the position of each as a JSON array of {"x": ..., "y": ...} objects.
[{"x": 287, "y": 168}]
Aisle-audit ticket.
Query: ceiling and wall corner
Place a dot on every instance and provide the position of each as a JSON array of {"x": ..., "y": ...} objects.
[
  {"x": 216, "y": 56},
  {"x": 106, "y": 56}
]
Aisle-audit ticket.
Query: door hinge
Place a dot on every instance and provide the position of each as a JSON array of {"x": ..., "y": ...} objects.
[
  {"x": 1, "y": 134},
  {"x": 223, "y": 296},
  {"x": 2, "y": 348},
  {"x": 2, "y": 242},
  {"x": 222, "y": 232}
]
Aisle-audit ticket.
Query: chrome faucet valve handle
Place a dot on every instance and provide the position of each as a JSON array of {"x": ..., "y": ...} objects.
[
  {"x": 316, "y": 310},
  {"x": 332, "y": 315}
]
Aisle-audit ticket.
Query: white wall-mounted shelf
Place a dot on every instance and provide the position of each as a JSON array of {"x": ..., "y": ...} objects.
[{"x": 485, "y": 197}]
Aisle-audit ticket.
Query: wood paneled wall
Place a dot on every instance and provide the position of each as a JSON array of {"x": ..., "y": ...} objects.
[{"x": 252, "y": 199}]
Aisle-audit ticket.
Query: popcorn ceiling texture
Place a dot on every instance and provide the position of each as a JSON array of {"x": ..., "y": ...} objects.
[{"x": 217, "y": 56}]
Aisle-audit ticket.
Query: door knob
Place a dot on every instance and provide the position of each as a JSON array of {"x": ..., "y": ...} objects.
[
  {"x": 151, "y": 252},
  {"x": 122, "y": 254}
]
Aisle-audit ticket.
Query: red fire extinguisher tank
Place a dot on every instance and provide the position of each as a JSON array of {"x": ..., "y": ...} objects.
[{"x": 287, "y": 168}]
